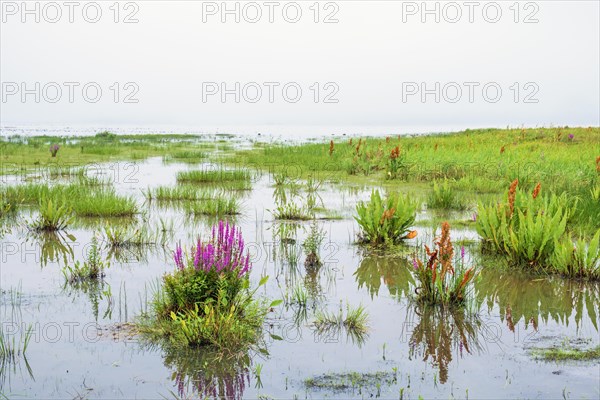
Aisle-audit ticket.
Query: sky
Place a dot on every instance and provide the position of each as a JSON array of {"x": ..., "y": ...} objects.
[{"x": 375, "y": 65}]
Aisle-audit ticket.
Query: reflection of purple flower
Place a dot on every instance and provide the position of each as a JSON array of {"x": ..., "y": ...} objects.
[{"x": 460, "y": 346}]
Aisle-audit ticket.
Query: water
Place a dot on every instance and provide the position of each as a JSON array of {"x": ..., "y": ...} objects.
[{"x": 81, "y": 345}]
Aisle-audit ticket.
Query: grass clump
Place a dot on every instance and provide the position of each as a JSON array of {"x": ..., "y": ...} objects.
[
  {"x": 54, "y": 215},
  {"x": 104, "y": 203},
  {"x": 355, "y": 322},
  {"x": 213, "y": 176},
  {"x": 218, "y": 206},
  {"x": 438, "y": 282},
  {"x": 444, "y": 197},
  {"x": 386, "y": 221},
  {"x": 207, "y": 300},
  {"x": 177, "y": 193}
]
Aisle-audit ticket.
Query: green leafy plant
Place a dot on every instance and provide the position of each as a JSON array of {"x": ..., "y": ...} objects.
[
  {"x": 524, "y": 229},
  {"x": 579, "y": 260},
  {"x": 386, "y": 221},
  {"x": 54, "y": 215}
]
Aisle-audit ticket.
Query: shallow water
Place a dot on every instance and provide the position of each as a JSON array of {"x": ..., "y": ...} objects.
[{"x": 79, "y": 348}]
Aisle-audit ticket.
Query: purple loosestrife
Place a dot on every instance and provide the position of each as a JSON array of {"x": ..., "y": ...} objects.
[
  {"x": 223, "y": 252},
  {"x": 178, "y": 257}
]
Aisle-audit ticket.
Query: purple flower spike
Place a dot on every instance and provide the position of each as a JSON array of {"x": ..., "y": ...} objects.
[
  {"x": 462, "y": 252},
  {"x": 474, "y": 217},
  {"x": 415, "y": 265},
  {"x": 178, "y": 257}
]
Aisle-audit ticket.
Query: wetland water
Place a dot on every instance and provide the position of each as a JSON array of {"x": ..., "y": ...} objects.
[{"x": 81, "y": 344}]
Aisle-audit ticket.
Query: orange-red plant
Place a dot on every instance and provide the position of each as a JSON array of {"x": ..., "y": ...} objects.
[
  {"x": 331, "y": 148},
  {"x": 536, "y": 191}
]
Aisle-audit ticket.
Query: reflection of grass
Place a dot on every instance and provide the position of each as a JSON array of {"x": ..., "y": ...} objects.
[{"x": 354, "y": 323}]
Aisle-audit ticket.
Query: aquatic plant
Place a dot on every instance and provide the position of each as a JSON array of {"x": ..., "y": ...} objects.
[
  {"x": 355, "y": 323},
  {"x": 207, "y": 300},
  {"x": 92, "y": 269},
  {"x": 212, "y": 175},
  {"x": 438, "y": 281},
  {"x": 580, "y": 259},
  {"x": 54, "y": 215},
  {"x": 54, "y": 150},
  {"x": 218, "y": 206},
  {"x": 531, "y": 230},
  {"x": 386, "y": 221}
]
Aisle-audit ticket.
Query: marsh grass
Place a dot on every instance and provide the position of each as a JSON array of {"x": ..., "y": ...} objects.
[
  {"x": 213, "y": 176},
  {"x": 104, "y": 203},
  {"x": 178, "y": 193},
  {"x": 355, "y": 321},
  {"x": 191, "y": 156},
  {"x": 218, "y": 206},
  {"x": 94, "y": 201},
  {"x": 443, "y": 196}
]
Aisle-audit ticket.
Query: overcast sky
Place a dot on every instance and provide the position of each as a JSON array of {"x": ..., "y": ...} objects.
[{"x": 342, "y": 63}]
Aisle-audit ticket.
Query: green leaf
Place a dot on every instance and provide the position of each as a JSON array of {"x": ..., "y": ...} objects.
[
  {"x": 275, "y": 303},
  {"x": 263, "y": 280},
  {"x": 275, "y": 337}
]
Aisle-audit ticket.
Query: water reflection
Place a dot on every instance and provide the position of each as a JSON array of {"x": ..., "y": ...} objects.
[
  {"x": 438, "y": 333},
  {"x": 394, "y": 272},
  {"x": 202, "y": 373},
  {"x": 54, "y": 246},
  {"x": 522, "y": 297}
]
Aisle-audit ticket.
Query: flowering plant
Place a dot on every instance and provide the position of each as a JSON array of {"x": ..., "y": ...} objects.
[{"x": 54, "y": 149}]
